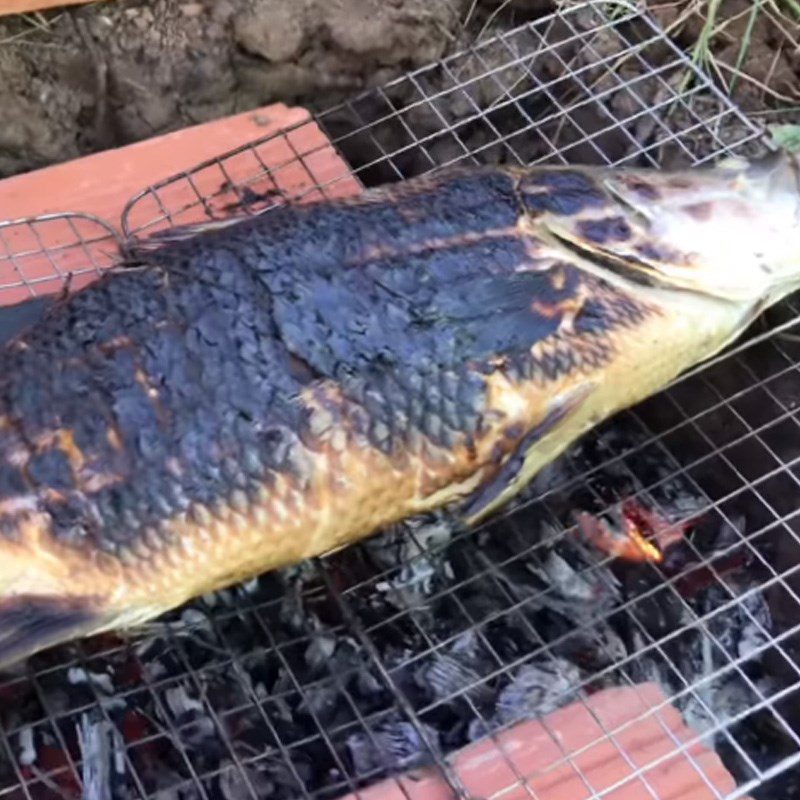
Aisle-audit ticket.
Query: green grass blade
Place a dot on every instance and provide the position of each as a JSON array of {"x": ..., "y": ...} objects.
[
  {"x": 748, "y": 34},
  {"x": 786, "y": 136}
]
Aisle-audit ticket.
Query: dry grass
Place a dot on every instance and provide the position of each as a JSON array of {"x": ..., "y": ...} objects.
[
  {"x": 25, "y": 25},
  {"x": 783, "y": 16}
]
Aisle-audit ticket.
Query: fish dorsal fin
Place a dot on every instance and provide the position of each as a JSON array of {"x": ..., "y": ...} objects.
[{"x": 180, "y": 233}]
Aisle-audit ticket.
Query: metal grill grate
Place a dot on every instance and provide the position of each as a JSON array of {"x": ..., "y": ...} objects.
[
  {"x": 39, "y": 255},
  {"x": 320, "y": 680}
]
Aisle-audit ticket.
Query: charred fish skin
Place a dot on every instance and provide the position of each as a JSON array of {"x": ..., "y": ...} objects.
[{"x": 247, "y": 397}]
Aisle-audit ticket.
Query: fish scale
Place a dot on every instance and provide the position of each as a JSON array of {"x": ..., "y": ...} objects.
[{"x": 232, "y": 399}]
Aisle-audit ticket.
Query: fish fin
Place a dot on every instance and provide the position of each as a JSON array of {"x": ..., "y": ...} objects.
[
  {"x": 153, "y": 242},
  {"x": 31, "y": 623},
  {"x": 17, "y": 318},
  {"x": 519, "y": 469}
]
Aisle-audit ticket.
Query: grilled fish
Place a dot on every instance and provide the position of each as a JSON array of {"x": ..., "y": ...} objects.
[{"x": 234, "y": 399}]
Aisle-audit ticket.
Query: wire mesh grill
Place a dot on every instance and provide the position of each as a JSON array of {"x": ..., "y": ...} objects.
[
  {"x": 39, "y": 256},
  {"x": 424, "y": 643}
]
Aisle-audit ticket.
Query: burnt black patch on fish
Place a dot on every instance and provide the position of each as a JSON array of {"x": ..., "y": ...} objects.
[
  {"x": 321, "y": 236},
  {"x": 606, "y": 311},
  {"x": 51, "y": 469},
  {"x": 603, "y": 231},
  {"x": 390, "y": 331},
  {"x": 18, "y": 317},
  {"x": 393, "y": 329},
  {"x": 71, "y": 518},
  {"x": 560, "y": 192},
  {"x": 198, "y": 374},
  {"x": 562, "y": 180},
  {"x": 12, "y": 482}
]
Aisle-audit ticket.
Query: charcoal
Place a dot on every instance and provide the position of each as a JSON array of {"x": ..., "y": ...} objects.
[
  {"x": 102, "y": 753},
  {"x": 537, "y": 689},
  {"x": 26, "y": 747},
  {"x": 294, "y": 613},
  {"x": 395, "y": 744},
  {"x": 100, "y": 681},
  {"x": 243, "y": 783},
  {"x": 516, "y": 637},
  {"x": 444, "y": 675},
  {"x": 368, "y": 684},
  {"x": 418, "y": 546},
  {"x": 180, "y": 791},
  {"x": 569, "y": 583},
  {"x": 195, "y": 620},
  {"x": 198, "y": 731},
  {"x": 582, "y": 592},
  {"x": 181, "y": 704},
  {"x": 715, "y": 703},
  {"x": 319, "y": 652},
  {"x": 321, "y": 701},
  {"x": 744, "y": 629},
  {"x": 767, "y": 742},
  {"x": 594, "y": 647}
]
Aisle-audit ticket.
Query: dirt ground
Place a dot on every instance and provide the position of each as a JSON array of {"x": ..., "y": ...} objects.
[{"x": 79, "y": 80}]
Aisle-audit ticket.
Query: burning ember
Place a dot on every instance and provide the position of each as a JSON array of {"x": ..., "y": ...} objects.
[{"x": 638, "y": 535}]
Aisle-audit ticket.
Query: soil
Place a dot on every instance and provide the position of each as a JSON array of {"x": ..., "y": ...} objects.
[
  {"x": 114, "y": 73},
  {"x": 83, "y": 79}
]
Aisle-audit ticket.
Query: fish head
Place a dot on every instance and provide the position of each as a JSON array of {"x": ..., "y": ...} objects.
[{"x": 730, "y": 231}]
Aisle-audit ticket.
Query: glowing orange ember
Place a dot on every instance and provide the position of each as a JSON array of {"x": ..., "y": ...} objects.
[{"x": 641, "y": 535}]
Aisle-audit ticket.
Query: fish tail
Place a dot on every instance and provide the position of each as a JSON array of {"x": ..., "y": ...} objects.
[
  {"x": 45, "y": 602},
  {"x": 30, "y": 623}
]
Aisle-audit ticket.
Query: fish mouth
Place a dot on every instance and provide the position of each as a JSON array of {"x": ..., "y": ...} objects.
[{"x": 777, "y": 173}]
